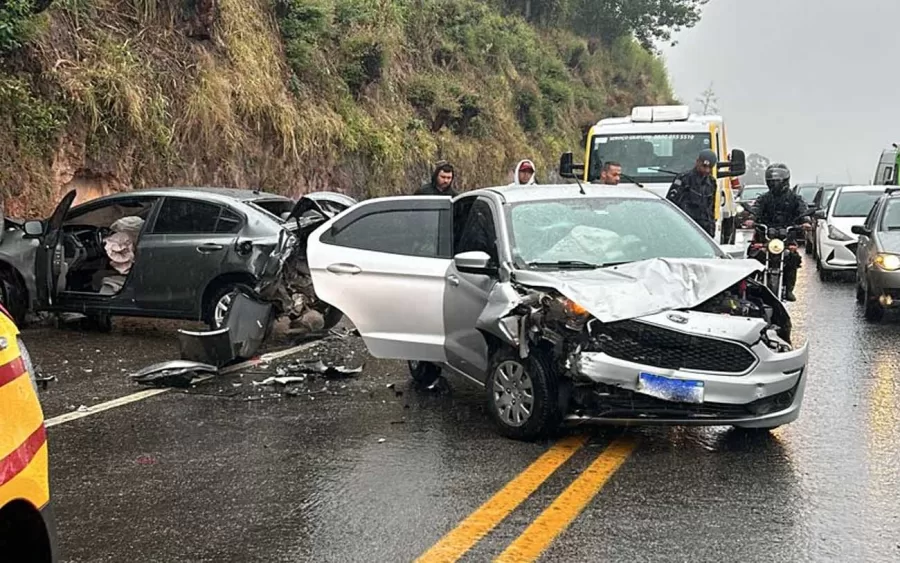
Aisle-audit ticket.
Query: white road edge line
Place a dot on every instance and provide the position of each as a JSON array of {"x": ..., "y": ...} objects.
[{"x": 146, "y": 394}]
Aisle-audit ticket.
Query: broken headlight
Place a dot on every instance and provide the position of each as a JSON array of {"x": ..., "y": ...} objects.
[
  {"x": 570, "y": 313},
  {"x": 774, "y": 342}
]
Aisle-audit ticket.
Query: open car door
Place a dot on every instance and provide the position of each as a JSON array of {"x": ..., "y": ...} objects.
[
  {"x": 50, "y": 265},
  {"x": 384, "y": 264}
]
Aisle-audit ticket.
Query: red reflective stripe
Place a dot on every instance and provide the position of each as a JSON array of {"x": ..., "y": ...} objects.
[
  {"x": 11, "y": 371},
  {"x": 18, "y": 459}
]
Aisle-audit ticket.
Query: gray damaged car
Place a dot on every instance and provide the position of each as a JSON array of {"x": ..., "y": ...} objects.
[
  {"x": 607, "y": 305},
  {"x": 178, "y": 253}
]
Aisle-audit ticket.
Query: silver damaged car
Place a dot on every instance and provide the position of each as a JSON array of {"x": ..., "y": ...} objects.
[{"x": 607, "y": 305}]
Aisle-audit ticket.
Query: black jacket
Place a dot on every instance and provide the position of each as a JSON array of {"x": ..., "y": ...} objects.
[
  {"x": 696, "y": 196},
  {"x": 785, "y": 209},
  {"x": 430, "y": 189}
]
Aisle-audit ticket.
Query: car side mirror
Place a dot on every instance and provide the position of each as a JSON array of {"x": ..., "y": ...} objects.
[
  {"x": 819, "y": 214},
  {"x": 733, "y": 168},
  {"x": 474, "y": 262},
  {"x": 34, "y": 229},
  {"x": 567, "y": 166},
  {"x": 860, "y": 230}
]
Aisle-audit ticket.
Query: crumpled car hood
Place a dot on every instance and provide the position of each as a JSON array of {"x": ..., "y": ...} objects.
[{"x": 643, "y": 288}]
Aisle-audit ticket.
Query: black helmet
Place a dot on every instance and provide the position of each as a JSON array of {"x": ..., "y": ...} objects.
[{"x": 778, "y": 177}]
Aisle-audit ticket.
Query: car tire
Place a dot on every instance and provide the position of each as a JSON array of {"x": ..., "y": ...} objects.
[
  {"x": 874, "y": 310},
  {"x": 513, "y": 382},
  {"x": 220, "y": 298},
  {"x": 824, "y": 275},
  {"x": 424, "y": 373}
]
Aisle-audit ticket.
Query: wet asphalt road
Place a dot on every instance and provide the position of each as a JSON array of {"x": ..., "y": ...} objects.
[{"x": 237, "y": 472}]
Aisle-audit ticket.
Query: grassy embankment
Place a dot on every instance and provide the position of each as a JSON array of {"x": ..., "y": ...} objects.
[{"x": 292, "y": 95}]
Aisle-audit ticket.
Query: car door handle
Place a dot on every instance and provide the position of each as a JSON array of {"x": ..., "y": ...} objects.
[
  {"x": 209, "y": 247},
  {"x": 344, "y": 269},
  {"x": 454, "y": 280}
]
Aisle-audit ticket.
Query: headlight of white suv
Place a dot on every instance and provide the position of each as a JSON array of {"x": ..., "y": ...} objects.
[{"x": 836, "y": 234}]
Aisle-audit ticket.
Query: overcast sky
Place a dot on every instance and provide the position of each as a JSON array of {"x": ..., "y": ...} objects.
[{"x": 813, "y": 83}]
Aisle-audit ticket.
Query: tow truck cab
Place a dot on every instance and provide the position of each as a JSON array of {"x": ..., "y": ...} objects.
[{"x": 653, "y": 145}]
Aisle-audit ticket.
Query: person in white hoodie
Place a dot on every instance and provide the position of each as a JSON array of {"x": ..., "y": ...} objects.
[{"x": 524, "y": 174}]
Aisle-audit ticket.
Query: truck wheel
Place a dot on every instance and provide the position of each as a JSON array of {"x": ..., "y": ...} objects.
[{"x": 522, "y": 395}]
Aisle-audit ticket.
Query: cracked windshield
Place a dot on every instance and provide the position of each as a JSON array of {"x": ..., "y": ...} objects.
[{"x": 449, "y": 280}]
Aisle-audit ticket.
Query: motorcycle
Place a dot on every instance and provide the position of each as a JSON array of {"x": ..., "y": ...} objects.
[{"x": 768, "y": 246}]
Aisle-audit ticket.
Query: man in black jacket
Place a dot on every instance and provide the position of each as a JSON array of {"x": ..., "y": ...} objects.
[
  {"x": 441, "y": 181},
  {"x": 694, "y": 192}
]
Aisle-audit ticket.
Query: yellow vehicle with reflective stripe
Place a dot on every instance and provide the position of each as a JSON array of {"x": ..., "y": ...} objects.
[
  {"x": 656, "y": 143},
  {"x": 27, "y": 527}
]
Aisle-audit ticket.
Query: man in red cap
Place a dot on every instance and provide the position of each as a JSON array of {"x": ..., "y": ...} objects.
[{"x": 524, "y": 175}]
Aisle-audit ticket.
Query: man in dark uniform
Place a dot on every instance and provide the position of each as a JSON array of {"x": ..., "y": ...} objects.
[
  {"x": 780, "y": 208},
  {"x": 694, "y": 192},
  {"x": 441, "y": 181}
]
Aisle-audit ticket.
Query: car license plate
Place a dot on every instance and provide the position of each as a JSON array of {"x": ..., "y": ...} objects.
[{"x": 668, "y": 389}]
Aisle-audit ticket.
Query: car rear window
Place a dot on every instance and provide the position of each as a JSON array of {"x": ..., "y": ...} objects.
[
  {"x": 855, "y": 204},
  {"x": 187, "y": 216}
]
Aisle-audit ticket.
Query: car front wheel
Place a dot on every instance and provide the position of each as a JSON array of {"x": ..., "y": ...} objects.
[
  {"x": 874, "y": 309},
  {"x": 522, "y": 395},
  {"x": 220, "y": 302}
]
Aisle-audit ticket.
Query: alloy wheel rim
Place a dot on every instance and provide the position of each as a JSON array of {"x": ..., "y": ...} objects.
[{"x": 513, "y": 393}]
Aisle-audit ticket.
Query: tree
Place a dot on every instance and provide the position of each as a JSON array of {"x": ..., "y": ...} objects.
[
  {"x": 709, "y": 103},
  {"x": 648, "y": 20}
]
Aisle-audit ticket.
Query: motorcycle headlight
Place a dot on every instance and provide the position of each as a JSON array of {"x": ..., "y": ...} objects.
[
  {"x": 889, "y": 262},
  {"x": 26, "y": 360},
  {"x": 776, "y": 246},
  {"x": 836, "y": 234}
]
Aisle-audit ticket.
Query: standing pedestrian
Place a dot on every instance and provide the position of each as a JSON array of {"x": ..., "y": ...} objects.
[
  {"x": 694, "y": 192},
  {"x": 441, "y": 181}
]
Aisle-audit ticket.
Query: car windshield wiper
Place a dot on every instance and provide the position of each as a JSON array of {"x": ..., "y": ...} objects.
[
  {"x": 566, "y": 264},
  {"x": 658, "y": 169}
]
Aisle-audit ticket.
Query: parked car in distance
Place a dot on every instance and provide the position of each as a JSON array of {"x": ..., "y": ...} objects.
[
  {"x": 835, "y": 246},
  {"x": 27, "y": 523},
  {"x": 821, "y": 199},
  {"x": 564, "y": 306},
  {"x": 192, "y": 247},
  {"x": 878, "y": 257}
]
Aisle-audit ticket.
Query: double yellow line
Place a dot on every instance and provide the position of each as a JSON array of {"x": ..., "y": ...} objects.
[{"x": 541, "y": 533}]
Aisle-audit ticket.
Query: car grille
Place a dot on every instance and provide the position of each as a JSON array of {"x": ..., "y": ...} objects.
[{"x": 659, "y": 347}]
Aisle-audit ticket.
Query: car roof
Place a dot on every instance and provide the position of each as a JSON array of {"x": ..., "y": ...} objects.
[
  {"x": 865, "y": 188},
  {"x": 544, "y": 192},
  {"x": 220, "y": 195}
]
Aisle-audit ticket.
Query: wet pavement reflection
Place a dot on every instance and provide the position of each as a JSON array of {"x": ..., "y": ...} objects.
[{"x": 373, "y": 469}]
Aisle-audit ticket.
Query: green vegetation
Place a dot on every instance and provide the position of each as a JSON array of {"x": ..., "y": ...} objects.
[{"x": 290, "y": 95}]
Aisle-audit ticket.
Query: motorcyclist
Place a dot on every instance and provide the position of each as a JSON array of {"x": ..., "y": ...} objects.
[{"x": 780, "y": 208}]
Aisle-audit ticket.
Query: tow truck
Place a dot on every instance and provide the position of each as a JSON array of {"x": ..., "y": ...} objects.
[{"x": 656, "y": 143}]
